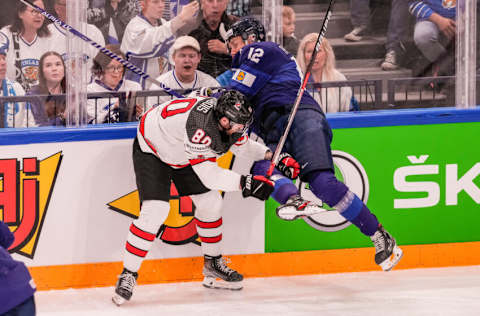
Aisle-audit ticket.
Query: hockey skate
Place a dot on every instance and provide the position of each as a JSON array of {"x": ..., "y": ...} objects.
[
  {"x": 217, "y": 275},
  {"x": 296, "y": 207},
  {"x": 387, "y": 254},
  {"x": 124, "y": 288}
]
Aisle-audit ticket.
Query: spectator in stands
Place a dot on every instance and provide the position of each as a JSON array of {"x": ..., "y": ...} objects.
[
  {"x": 112, "y": 17},
  {"x": 13, "y": 114},
  {"x": 290, "y": 42},
  {"x": 48, "y": 111},
  {"x": 435, "y": 31},
  {"x": 397, "y": 34},
  {"x": 60, "y": 36},
  {"x": 185, "y": 76},
  {"x": 239, "y": 8},
  {"x": 323, "y": 70},
  {"x": 148, "y": 38},
  {"x": 109, "y": 75},
  {"x": 360, "y": 18},
  {"x": 16, "y": 285},
  {"x": 210, "y": 34},
  {"x": 30, "y": 38}
]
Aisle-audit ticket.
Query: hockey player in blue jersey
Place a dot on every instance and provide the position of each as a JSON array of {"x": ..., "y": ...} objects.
[{"x": 270, "y": 78}]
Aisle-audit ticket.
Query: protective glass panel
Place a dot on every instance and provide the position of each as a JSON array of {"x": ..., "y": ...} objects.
[{"x": 377, "y": 54}]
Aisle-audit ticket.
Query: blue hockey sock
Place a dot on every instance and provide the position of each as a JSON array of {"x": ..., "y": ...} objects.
[
  {"x": 336, "y": 194},
  {"x": 284, "y": 187}
]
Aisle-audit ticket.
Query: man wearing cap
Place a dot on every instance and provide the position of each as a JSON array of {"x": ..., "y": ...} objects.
[
  {"x": 12, "y": 114},
  {"x": 185, "y": 76}
]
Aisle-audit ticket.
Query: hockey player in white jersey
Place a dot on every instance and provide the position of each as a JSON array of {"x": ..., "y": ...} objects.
[
  {"x": 148, "y": 38},
  {"x": 180, "y": 141}
]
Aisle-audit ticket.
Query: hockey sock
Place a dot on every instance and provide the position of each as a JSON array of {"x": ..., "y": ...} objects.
[
  {"x": 336, "y": 194},
  {"x": 284, "y": 187},
  {"x": 210, "y": 233},
  {"x": 143, "y": 231}
]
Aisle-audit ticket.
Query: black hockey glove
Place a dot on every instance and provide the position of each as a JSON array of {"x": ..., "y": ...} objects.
[
  {"x": 256, "y": 186},
  {"x": 288, "y": 166}
]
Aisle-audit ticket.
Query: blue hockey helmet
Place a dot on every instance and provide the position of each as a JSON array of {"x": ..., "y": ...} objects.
[{"x": 246, "y": 27}]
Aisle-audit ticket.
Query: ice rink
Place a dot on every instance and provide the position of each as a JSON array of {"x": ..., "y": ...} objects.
[{"x": 437, "y": 291}]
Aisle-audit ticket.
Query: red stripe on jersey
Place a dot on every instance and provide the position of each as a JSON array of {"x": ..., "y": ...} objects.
[
  {"x": 134, "y": 250},
  {"x": 140, "y": 233},
  {"x": 211, "y": 240},
  {"x": 166, "y": 112},
  {"x": 178, "y": 166},
  {"x": 242, "y": 140},
  {"x": 208, "y": 224},
  {"x": 142, "y": 131},
  {"x": 194, "y": 162}
]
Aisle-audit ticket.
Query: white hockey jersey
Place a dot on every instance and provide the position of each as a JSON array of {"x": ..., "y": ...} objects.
[
  {"x": 105, "y": 110},
  {"x": 30, "y": 54},
  {"x": 146, "y": 46},
  {"x": 185, "y": 132},
  {"x": 15, "y": 114},
  {"x": 202, "y": 80},
  {"x": 60, "y": 38}
]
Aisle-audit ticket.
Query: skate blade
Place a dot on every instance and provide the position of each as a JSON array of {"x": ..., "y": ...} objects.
[
  {"x": 213, "y": 283},
  {"x": 392, "y": 261},
  {"x": 118, "y": 300},
  {"x": 290, "y": 213}
]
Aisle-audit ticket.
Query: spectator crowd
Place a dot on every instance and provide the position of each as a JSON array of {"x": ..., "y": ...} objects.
[{"x": 182, "y": 45}]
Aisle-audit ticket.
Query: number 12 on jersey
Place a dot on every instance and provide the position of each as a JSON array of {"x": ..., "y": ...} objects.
[{"x": 254, "y": 54}]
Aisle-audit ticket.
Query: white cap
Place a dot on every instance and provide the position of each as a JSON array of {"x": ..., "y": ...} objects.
[{"x": 185, "y": 41}]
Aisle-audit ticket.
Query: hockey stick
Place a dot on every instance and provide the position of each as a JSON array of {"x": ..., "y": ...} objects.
[
  {"x": 301, "y": 90},
  {"x": 103, "y": 49}
]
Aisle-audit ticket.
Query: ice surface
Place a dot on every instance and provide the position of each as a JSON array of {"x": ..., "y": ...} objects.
[{"x": 439, "y": 291}]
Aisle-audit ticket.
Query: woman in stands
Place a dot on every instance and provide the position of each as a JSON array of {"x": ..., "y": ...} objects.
[
  {"x": 49, "y": 111},
  {"x": 29, "y": 39},
  {"x": 323, "y": 70},
  {"x": 109, "y": 77}
]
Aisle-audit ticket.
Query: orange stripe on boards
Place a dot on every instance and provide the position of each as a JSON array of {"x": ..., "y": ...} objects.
[{"x": 257, "y": 265}]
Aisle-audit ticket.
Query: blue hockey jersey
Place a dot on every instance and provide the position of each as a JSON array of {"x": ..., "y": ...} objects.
[{"x": 270, "y": 78}]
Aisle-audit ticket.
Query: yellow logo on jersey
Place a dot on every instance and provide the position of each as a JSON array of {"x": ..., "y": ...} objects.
[{"x": 240, "y": 76}]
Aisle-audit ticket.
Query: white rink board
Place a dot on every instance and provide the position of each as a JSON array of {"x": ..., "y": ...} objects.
[{"x": 79, "y": 227}]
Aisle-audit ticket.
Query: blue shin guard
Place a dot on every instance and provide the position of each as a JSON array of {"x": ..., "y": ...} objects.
[{"x": 325, "y": 186}]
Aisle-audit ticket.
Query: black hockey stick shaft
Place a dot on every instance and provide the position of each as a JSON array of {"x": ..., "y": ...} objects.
[
  {"x": 103, "y": 49},
  {"x": 301, "y": 90}
]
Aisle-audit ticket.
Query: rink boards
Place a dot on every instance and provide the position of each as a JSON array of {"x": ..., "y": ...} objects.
[{"x": 69, "y": 196}]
